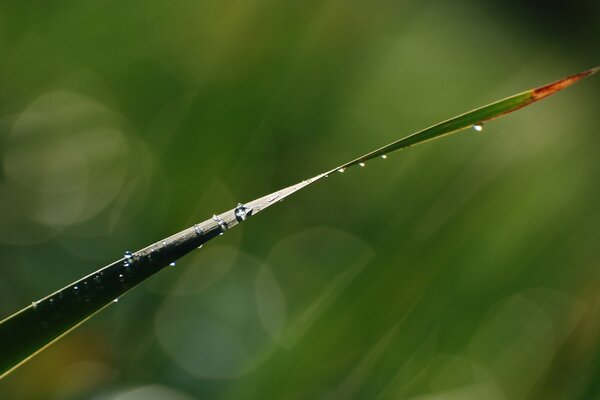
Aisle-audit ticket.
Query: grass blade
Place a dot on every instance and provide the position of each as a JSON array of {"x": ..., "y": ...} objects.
[
  {"x": 29, "y": 331},
  {"x": 478, "y": 116}
]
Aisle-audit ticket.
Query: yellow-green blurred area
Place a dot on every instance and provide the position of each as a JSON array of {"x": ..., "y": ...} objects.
[{"x": 465, "y": 268}]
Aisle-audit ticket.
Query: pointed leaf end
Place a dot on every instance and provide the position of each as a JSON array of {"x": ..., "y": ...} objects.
[{"x": 561, "y": 84}]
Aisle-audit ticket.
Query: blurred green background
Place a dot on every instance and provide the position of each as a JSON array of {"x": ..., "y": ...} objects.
[{"x": 465, "y": 268}]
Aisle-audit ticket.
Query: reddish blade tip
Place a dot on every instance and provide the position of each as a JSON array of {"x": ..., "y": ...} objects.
[{"x": 560, "y": 84}]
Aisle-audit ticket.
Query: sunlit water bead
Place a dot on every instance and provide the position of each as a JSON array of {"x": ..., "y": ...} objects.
[
  {"x": 116, "y": 300},
  {"x": 241, "y": 212},
  {"x": 362, "y": 164},
  {"x": 478, "y": 127},
  {"x": 384, "y": 156},
  {"x": 341, "y": 170},
  {"x": 128, "y": 256},
  {"x": 172, "y": 264},
  {"x": 221, "y": 223}
]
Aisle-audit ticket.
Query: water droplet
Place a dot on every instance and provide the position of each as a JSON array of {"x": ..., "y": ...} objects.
[
  {"x": 116, "y": 300},
  {"x": 362, "y": 164},
  {"x": 129, "y": 260},
  {"x": 326, "y": 175},
  {"x": 34, "y": 304},
  {"x": 221, "y": 222},
  {"x": 198, "y": 230},
  {"x": 121, "y": 277},
  {"x": 341, "y": 170},
  {"x": 97, "y": 278},
  {"x": 200, "y": 246},
  {"x": 478, "y": 127},
  {"x": 51, "y": 301},
  {"x": 384, "y": 156},
  {"x": 75, "y": 288},
  {"x": 241, "y": 212},
  {"x": 164, "y": 243},
  {"x": 172, "y": 264}
]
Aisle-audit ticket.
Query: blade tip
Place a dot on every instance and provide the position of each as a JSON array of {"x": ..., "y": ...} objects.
[{"x": 561, "y": 84}]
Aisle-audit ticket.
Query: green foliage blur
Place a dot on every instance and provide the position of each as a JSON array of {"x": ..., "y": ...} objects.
[{"x": 465, "y": 268}]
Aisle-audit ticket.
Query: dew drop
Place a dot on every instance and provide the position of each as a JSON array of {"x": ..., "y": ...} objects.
[
  {"x": 121, "y": 277},
  {"x": 126, "y": 264},
  {"x": 362, "y": 164},
  {"x": 75, "y": 288},
  {"x": 172, "y": 264},
  {"x": 97, "y": 278},
  {"x": 128, "y": 255},
  {"x": 384, "y": 156},
  {"x": 478, "y": 127},
  {"x": 341, "y": 170},
  {"x": 241, "y": 212},
  {"x": 222, "y": 224},
  {"x": 51, "y": 301},
  {"x": 34, "y": 304},
  {"x": 116, "y": 300}
]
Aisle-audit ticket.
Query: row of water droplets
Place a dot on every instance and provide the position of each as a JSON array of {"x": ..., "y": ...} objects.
[
  {"x": 241, "y": 213},
  {"x": 78, "y": 288},
  {"x": 476, "y": 127}
]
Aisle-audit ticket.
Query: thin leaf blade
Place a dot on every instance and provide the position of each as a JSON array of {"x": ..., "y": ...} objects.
[
  {"x": 477, "y": 116},
  {"x": 34, "y": 328}
]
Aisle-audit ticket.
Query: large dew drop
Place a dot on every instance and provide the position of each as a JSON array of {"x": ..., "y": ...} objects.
[
  {"x": 222, "y": 224},
  {"x": 241, "y": 212}
]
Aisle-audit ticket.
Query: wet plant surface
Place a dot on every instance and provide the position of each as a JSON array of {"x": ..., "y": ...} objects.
[{"x": 462, "y": 268}]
